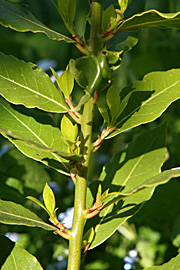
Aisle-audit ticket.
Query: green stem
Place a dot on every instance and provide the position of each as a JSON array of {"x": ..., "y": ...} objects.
[
  {"x": 75, "y": 237},
  {"x": 96, "y": 22}
]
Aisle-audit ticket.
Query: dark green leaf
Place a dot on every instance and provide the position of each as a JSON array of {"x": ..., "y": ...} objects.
[
  {"x": 67, "y": 9},
  {"x": 109, "y": 16},
  {"x": 149, "y": 99},
  {"x": 27, "y": 84},
  {"x": 19, "y": 18},
  {"x": 14, "y": 257},
  {"x": 140, "y": 161},
  {"x": 16, "y": 214},
  {"x": 173, "y": 264},
  {"x": 151, "y": 18}
]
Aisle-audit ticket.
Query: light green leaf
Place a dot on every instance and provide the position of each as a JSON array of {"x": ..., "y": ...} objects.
[
  {"x": 67, "y": 9},
  {"x": 66, "y": 83},
  {"x": 14, "y": 257},
  {"x": 38, "y": 202},
  {"x": 124, "y": 4},
  {"x": 173, "y": 264},
  {"x": 37, "y": 127},
  {"x": 27, "y": 84},
  {"x": 113, "y": 101},
  {"x": 13, "y": 137},
  {"x": 16, "y": 214},
  {"x": 149, "y": 99},
  {"x": 69, "y": 130},
  {"x": 49, "y": 199},
  {"x": 19, "y": 18},
  {"x": 151, "y": 18},
  {"x": 141, "y": 160}
]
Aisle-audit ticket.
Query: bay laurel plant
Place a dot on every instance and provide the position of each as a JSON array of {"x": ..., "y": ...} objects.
[{"x": 30, "y": 102}]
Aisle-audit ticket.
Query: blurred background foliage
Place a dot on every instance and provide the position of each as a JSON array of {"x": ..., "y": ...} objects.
[{"x": 155, "y": 230}]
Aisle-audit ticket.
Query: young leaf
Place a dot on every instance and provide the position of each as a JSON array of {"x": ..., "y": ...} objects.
[
  {"x": 124, "y": 4},
  {"x": 66, "y": 83},
  {"x": 140, "y": 161},
  {"x": 39, "y": 203},
  {"x": 67, "y": 9},
  {"x": 69, "y": 130},
  {"x": 49, "y": 199},
  {"x": 149, "y": 99},
  {"x": 19, "y": 18},
  {"x": 14, "y": 256},
  {"x": 27, "y": 84},
  {"x": 88, "y": 237},
  {"x": 113, "y": 102},
  {"x": 151, "y": 18},
  {"x": 15, "y": 214}
]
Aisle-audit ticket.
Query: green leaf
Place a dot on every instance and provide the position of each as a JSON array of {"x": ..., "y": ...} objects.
[
  {"x": 66, "y": 83},
  {"x": 151, "y": 18},
  {"x": 27, "y": 84},
  {"x": 16, "y": 174},
  {"x": 39, "y": 203},
  {"x": 67, "y": 9},
  {"x": 35, "y": 127},
  {"x": 69, "y": 130},
  {"x": 103, "y": 111},
  {"x": 141, "y": 160},
  {"x": 172, "y": 264},
  {"x": 16, "y": 214},
  {"x": 109, "y": 16},
  {"x": 80, "y": 71},
  {"x": 124, "y": 4},
  {"x": 149, "y": 99},
  {"x": 113, "y": 101},
  {"x": 14, "y": 256},
  {"x": 19, "y": 18},
  {"x": 12, "y": 136},
  {"x": 49, "y": 199}
]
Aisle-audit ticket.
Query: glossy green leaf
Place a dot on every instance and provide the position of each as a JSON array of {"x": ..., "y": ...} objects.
[
  {"x": 19, "y": 18},
  {"x": 80, "y": 70},
  {"x": 27, "y": 84},
  {"x": 13, "y": 256},
  {"x": 16, "y": 174},
  {"x": 149, "y": 99},
  {"x": 69, "y": 130},
  {"x": 67, "y": 9},
  {"x": 36, "y": 127},
  {"x": 141, "y": 160},
  {"x": 151, "y": 18},
  {"x": 14, "y": 137},
  {"x": 16, "y": 214},
  {"x": 173, "y": 264},
  {"x": 113, "y": 101},
  {"x": 49, "y": 199}
]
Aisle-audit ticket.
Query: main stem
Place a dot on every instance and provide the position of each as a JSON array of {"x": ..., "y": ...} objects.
[{"x": 75, "y": 241}]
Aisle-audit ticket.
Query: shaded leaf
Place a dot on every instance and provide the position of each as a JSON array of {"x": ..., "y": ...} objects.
[
  {"x": 103, "y": 111},
  {"x": 172, "y": 264},
  {"x": 149, "y": 99},
  {"x": 151, "y": 18},
  {"x": 67, "y": 9},
  {"x": 37, "y": 127},
  {"x": 16, "y": 174},
  {"x": 27, "y": 84},
  {"x": 113, "y": 101},
  {"x": 14, "y": 256},
  {"x": 141, "y": 160},
  {"x": 109, "y": 16},
  {"x": 16, "y": 214},
  {"x": 19, "y": 18}
]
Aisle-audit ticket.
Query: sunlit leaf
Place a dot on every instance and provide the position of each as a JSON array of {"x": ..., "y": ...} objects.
[
  {"x": 173, "y": 264},
  {"x": 19, "y": 18},
  {"x": 27, "y": 84},
  {"x": 49, "y": 199}
]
